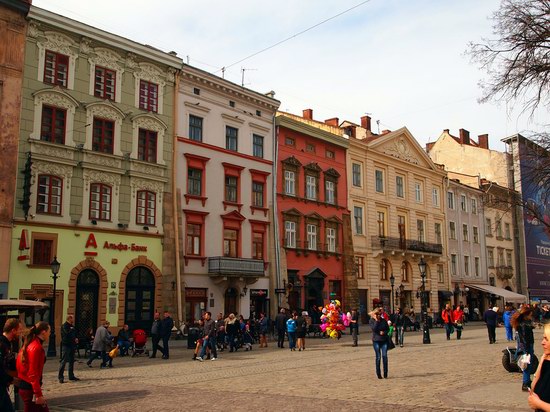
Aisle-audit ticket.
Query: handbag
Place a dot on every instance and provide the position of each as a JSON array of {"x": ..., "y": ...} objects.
[
  {"x": 114, "y": 353},
  {"x": 391, "y": 345}
]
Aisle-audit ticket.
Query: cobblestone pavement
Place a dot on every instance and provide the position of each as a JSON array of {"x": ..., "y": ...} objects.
[{"x": 330, "y": 375}]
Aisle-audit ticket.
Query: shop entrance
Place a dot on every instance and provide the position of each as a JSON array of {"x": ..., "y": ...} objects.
[
  {"x": 140, "y": 298},
  {"x": 87, "y": 299},
  {"x": 258, "y": 303},
  {"x": 230, "y": 304},
  {"x": 195, "y": 304}
]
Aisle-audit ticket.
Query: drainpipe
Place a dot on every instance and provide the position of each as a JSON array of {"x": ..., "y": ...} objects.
[
  {"x": 275, "y": 215},
  {"x": 175, "y": 200}
]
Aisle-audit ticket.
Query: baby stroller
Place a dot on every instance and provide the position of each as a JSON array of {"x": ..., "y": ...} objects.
[{"x": 138, "y": 345}]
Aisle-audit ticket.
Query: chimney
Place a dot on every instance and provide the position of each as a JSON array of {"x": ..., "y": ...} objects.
[
  {"x": 308, "y": 114},
  {"x": 446, "y": 131},
  {"x": 365, "y": 123},
  {"x": 332, "y": 122},
  {"x": 483, "y": 141},
  {"x": 464, "y": 136}
]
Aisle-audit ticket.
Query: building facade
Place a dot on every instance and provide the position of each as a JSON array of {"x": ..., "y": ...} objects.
[
  {"x": 95, "y": 161},
  {"x": 225, "y": 157},
  {"x": 396, "y": 198},
  {"x": 313, "y": 213}
]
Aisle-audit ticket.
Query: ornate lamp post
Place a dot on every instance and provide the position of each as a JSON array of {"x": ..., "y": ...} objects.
[
  {"x": 51, "y": 344},
  {"x": 423, "y": 301},
  {"x": 392, "y": 283}
]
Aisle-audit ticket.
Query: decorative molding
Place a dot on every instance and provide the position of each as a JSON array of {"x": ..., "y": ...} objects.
[
  {"x": 149, "y": 169},
  {"x": 197, "y": 107},
  {"x": 401, "y": 150},
  {"x": 171, "y": 74},
  {"x": 52, "y": 150},
  {"x": 230, "y": 118},
  {"x": 150, "y": 73},
  {"x": 94, "y": 176},
  {"x": 60, "y": 43},
  {"x": 33, "y": 29},
  {"x": 131, "y": 61},
  {"x": 55, "y": 169},
  {"x": 105, "y": 111},
  {"x": 150, "y": 123},
  {"x": 55, "y": 97},
  {"x": 259, "y": 127},
  {"x": 145, "y": 184},
  {"x": 85, "y": 45},
  {"x": 102, "y": 160},
  {"x": 106, "y": 58}
]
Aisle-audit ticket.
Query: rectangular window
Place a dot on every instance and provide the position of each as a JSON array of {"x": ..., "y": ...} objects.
[
  {"x": 402, "y": 229},
  {"x": 52, "y": 128},
  {"x": 381, "y": 224},
  {"x": 100, "y": 201},
  {"x": 488, "y": 227},
  {"x": 467, "y": 265},
  {"x": 231, "y": 187},
  {"x": 379, "y": 178},
  {"x": 474, "y": 206},
  {"x": 290, "y": 234},
  {"x": 146, "y": 208},
  {"x": 418, "y": 192},
  {"x": 435, "y": 196},
  {"x": 230, "y": 242},
  {"x": 420, "y": 230},
  {"x": 290, "y": 183},
  {"x": 193, "y": 244},
  {"x": 437, "y": 227},
  {"x": 103, "y": 135},
  {"x": 147, "y": 146},
  {"x": 452, "y": 230},
  {"x": 399, "y": 186},
  {"x": 257, "y": 245},
  {"x": 56, "y": 69},
  {"x": 356, "y": 174},
  {"x": 360, "y": 267},
  {"x": 476, "y": 267},
  {"x": 440, "y": 274},
  {"x": 329, "y": 154},
  {"x": 231, "y": 138},
  {"x": 195, "y": 128},
  {"x": 331, "y": 239},
  {"x": 329, "y": 192},
  {"x": 49, "y": 195},
  {"x": 257, "y": 194},
  {"x": 289, "y": 141},
  {"x": 507, "y": 231},
  {"x": 476, "y": 234},
  {"x": 148, "y": 96},
  {"x": 310, "y": 148},
  {"x": 257, "y": 146},
  {"x": 312, "y": 237},
  {"x": 501, "y": 261},
  {"x": 465, "y": 233},
  {"x": 498, "y": 228},
  {"x": 311, "y": 187},
  {"x": 104, "y": 83},
  {"x": 451, "y": 200},
  {"x": 490, "y": 257},
  {"x": 453, "y": 265},
  {"x": 463, "y": 203},
  {"x": 358, "y": 217},
  {"x": 509, "y": 258},
  {"x": 42, "y": 251},
  {"x": 194, "y": 182}
]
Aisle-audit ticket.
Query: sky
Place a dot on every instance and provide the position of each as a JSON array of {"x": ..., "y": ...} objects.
[{"x": 403, "y": 63}]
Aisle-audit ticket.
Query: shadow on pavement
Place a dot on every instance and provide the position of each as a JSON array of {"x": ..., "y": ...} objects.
[{"x": 97, "y": 399}]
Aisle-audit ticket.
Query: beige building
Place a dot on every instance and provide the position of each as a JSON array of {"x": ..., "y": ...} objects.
[{"x": 396, "y": 198}]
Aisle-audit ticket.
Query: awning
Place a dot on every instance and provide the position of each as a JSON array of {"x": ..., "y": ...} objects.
[
  {"x": 445, "y": 294},
  {"x": 508, "y": 295}
]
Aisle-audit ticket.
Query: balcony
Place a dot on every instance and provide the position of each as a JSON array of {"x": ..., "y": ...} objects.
[
  {"x": 226, "y": 266},
  {"x": 398, "y": 244},
  {"x": 505, "y": 272}
]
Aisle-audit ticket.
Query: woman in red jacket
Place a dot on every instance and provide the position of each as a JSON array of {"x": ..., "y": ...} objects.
[
  {"x": 458, "y": 317},
  {"x": 30, "y": 364}
]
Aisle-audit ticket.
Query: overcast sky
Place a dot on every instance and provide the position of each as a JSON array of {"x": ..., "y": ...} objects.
[{"x": 401, "y": 62}]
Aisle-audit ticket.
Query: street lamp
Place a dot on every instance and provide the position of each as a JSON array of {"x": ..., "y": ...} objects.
[
  {"x": 51, "y": 344},
  {"x": 425, "y": 330},
  {"x": 392, "y": 283}
]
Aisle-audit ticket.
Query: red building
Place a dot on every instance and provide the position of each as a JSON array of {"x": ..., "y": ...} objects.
[{"x": 312, "y": 210}]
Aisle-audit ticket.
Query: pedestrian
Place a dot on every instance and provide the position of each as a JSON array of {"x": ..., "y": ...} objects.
[
  {"x": 466, "y": 314},
  {"x": 280, "y": 325},
  {"x": 232, "y": 330},
  {"x": 507, "y": 317},
  {"x": 301, "y": 328},
  {"x": 380, "y": 330},
  {"x": 209, "y": 340},
  {"x": 448, "y": 320},
  {"x": 155, "y": 334},
  {"x": 539, "y": 397},
  {"x": 124, "y": 341},
  {"x": 264, "y": 324},
  {"x": 458, "y": 317},
  {"x": 10, "y": 336},
  {"x": 399, "y": 321},
  {"x": 165, "y": 332},
  {"x": 101, "y": 346},
  {"x": 354, "y": 326},
  {"x": 537, "y": 314},
  {"x": 490, "y": 317},
  {"x": 522, "y": 322},
  {"x": 200, "y": 335},
  {"x": 220, "y": 330},
  {"x": 30, "y": 364},
  {"x": 291, "y": 331},
  {"x": 69, "y": 341}
]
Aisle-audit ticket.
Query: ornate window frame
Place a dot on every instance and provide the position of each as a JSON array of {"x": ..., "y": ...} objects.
[
  {"x": 91, "y": 176},
  {"x": 58, "y": 43},
  {"x": 104, "y": 110},
  {"x": 139, "y": 184},
  {"x": 63, "y": 172},
  {"x": 108, "y": 59},
  {"x": 150, "y": 73},
  {"x": 57, "y": 98},
  {"x": 148, "y": 122}
]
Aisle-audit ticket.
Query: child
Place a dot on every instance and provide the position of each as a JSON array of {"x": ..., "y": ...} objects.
[
  {"x": 390, "y": 331},
  {"x": 247, "y": 337}
]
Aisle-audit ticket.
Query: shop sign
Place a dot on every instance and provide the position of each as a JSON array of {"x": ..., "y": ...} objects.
[
  {"x": 92, "y": 243},
  {"x": 258, "y": 293},
  {"x": 195, "y": 293}
]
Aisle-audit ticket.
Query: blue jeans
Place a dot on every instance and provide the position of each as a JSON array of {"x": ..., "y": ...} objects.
[
  {"x": 124, "y": 345},
  {"x": 509, "y": 333},
  {"x": 400, "y": 335},
  {"x": 528, "y": 349},
  {"x": 448, "y": 327},
  {"x": 381, "y": 350},
  {"x": 292, "y": 340},
  {"x": 212, "y": 343}
]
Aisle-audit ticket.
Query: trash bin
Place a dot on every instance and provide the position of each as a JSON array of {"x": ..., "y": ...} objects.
[{"x": 192, "y": 338}]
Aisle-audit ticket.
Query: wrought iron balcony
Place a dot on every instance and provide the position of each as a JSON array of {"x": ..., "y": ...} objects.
[
  {"x": 505, "y": 272},
  {"x": 227, "y": 266},
  {"x": 394, "y": 243}
]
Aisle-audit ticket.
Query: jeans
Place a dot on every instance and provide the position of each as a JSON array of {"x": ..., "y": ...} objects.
[
  {"x": 509, "y": 333},
  {"x": 280, "y": 338},
  {"x": 67, "y": 357},
  {"x": 5, "y": 400},
  {"x": 104, "y": 357},
  {"x": 209, "y": 342},
  {"x": 381, "y": 350},
  {"x": 528, "y": 349},
  {"x": 232, "y": 343},
  {"x": 448, "y": 327},
  {"x": 124, "y": 345},
  {"x": 400, "y": 335},
  {"x": 292, "y": 340},
  {"x": 354, "y": 335},
  {"x": 165, "y": 349}
]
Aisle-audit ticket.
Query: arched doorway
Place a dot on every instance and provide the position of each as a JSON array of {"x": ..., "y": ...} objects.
[
  {"x": 140, "y": 298},
  {"x": 230, "y": 304},
  {"x": 87, "y": 299}
]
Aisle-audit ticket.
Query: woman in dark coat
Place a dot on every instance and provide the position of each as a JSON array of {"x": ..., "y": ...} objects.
[
  {"x": 522, "y": 322},
  {"x": 380, "y": 329}
]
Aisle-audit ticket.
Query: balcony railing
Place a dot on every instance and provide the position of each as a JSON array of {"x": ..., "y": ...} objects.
[
  {"x": 504, "y": 272},
  {"x": 394, "y": 243},
  {"x": 220, "y": 265}
]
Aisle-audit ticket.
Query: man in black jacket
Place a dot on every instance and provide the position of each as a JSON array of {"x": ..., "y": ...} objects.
[
  {"x": 68, "y": 348},
  {"x": 12, "y": 329},
  {"x": 165, "y": 331},
  {"x": 209, "y": 337},
  {"x": 155, "y": 334},
  {"x": 280, "y": 325}
]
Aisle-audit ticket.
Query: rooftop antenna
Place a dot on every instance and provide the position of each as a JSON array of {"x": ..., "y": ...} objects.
[
  {"x": 378, "y": 124},
  {"x": 188, "y": 59},
  {"x": 242, "y": 77},
  {"x": 223, "y": 72}
]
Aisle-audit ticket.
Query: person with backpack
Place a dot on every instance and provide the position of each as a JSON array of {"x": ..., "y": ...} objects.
[{"x": 291, "y": 327}]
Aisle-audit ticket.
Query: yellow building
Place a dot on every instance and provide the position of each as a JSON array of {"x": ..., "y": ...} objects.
[{"x": 397, "y": 206}]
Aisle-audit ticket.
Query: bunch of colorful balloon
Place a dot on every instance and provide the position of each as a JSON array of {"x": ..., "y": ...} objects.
[{"x": 333, "y": 321}]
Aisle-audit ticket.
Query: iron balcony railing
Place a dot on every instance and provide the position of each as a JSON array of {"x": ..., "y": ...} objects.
[
  {"x": 394, "y": 243},
  {"x": 221, "y": 265},
  {"x": 505, "y": 272}
]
